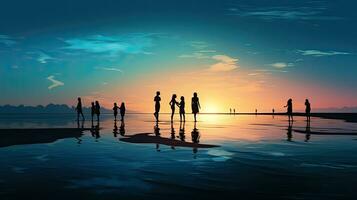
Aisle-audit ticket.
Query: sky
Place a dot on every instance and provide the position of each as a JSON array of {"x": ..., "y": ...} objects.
[{"x": 242, "y": 54}]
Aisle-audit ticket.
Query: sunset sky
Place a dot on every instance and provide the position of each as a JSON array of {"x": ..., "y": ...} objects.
[{"x": 242, "y": 54}]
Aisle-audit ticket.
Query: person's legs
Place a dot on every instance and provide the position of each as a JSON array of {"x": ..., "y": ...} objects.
[
  {"x": 82, "y": 115},
  {"x": 194, "y": 115},
  {"x": 184, "y": 117},
  {"x": 172, "y": 114}
]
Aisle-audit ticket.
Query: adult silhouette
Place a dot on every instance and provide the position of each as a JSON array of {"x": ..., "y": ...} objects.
[
  {"x": 122, "y": 111},
  {"x": 157, "y": 100},
  {"x": 182, "y": 109},
  {"x": 234, "y": 111},
  {"x": 256, "y": 111},
  {"x": 289, "y": 106},
  {"x": 307, "y": 109},
  {"x": 97, "y": 109},
  {"x": 79, "y": 109},
  {"x": 115, "y": 109},
  {"x": 230, "y": 111},
  {"x": 172, "y": 104},
  {"x": 92, "y": 110},
  {"x": 195, "y": 105}
]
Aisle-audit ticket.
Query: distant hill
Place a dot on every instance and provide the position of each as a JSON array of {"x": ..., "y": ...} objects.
[{"x": 50, "y": 108}]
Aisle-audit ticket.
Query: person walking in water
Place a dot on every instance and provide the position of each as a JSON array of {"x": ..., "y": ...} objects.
[
  {"x": 97, "y": 109},
  {"x": 93, "y": 110},
  {"x": 182, "y": 109},
  {"x": 172, "y": 104},
  {"x": 79, "y": 109},
  {"x": 289, "y": 105},
  {"x": 307, "y": 109},
  {"x": 115, "y": 109},
  {"x": 157, "y": 100},
  {"x": 122, "y": 111},
  {"x": 195, "y": 105}
]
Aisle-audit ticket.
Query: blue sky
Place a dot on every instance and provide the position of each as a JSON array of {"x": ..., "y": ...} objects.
[{"x": 53, "y": 51}]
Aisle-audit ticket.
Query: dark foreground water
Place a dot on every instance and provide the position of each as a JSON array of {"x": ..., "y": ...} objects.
[{"x": 240, "y": 157}]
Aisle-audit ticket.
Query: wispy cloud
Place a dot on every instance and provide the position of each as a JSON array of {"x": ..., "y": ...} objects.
[
  {"x": 55, "y": 83},
  {"x": 130, "y": 44},
  {"x": 281, "y": 65},
  {"x": 110, "y": 69},
  {"x": 44, "y": 58},
  {"x": 201, "y": 50},
  {"x": 196, "y": 55},
  {"x": 224, "y": 64},
  {"x": 318, "y": 53},
  {"x": 198, "y": 44},
  {"x": 7, "y": 40},
  {"x": 313, "y": 11}
]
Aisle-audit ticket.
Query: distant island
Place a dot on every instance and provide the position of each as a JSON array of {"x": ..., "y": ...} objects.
[{"x": 50, "y": 108}]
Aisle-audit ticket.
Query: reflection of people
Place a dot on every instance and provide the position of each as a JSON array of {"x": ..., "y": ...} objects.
[
  {"x": 93, "y": 110},
  {"x": 95, "y": 130},
  {"x": 122, "y": 111},
  {"x": 307, "y": 109},
  {"x": 157, "y": 134},
  {"x": 172, "y": 134},
  {"x": 115, "y": 130},
  {"x": 308, "y": 131},
  {"x": 182, "y": 131},
  {"x": 182, "y": 109},
  {"x": 289, "y": 105},
  {"x": 195, "y": 135},
  {"x": 157, "y": 100},
  {"x": 172, "y": 104},
  {"x": 115, "y": 109},
  {"x": 195, "y": 104},
  {"x": 79, "y": 109},
  {"x": 122, "y": 128},
  {"x": 289, "y": 133},
  {"x": 80, "y": 125}
]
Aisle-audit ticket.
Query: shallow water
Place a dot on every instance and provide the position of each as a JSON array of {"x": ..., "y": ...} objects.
[{"x": 250, "y": 157}]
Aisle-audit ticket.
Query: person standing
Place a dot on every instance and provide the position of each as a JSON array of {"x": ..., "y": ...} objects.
[
  {"x": 115, "y": 109},
  {"x": 93, "y": 110},
  {"x": 79, "y": 109},
  {"x": 172, "y": 104},
  {"x": 307, "y": 109},
  {"x": 122, "y": 111},
  {"x": 182, "y": 109},
  {"x": 195, "y": 105},
  {"x": 97, "y": 109},
  {"x": 157, "y": 100},
  {"x": 289, "y": 105}
]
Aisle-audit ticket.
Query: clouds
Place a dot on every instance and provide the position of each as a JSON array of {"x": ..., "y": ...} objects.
[
  {"x": 55, "y": 83},
  {"x": 281, "y": 65},
  {"x": 224, "y": 64},
  {"x": 318, "y": 53},
  {"x": 7, "y": 40},
  {"x": 114, "y": 69},
  {"x": 113, "y": 45}
]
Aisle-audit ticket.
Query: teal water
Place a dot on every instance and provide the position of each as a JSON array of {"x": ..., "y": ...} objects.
[{"x": 256, "y": 157}]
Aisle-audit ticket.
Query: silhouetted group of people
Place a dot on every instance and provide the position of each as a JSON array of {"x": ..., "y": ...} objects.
[
  {"x": 289, "y": 106},
  {"x": 95, "y": 110},
  {"x": 195, "y": 106}
]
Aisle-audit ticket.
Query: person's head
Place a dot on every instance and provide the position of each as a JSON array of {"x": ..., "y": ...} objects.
[
  {"x": 306, "y": 100},
  {"x": 158, "y": 93},
  {"x": 182, "y": 98},
  {"x": 92, "y": 103},
  {"x": 174, "y": 96},
  {"x": 96, "y": 103},
  {"x": 122, "y": 104},
  {"x": 79, "y": 98},
  {"x": 115, "y": 104},
  {"x": 195, "y": 94},
  {"x": 290, "y": 100}
]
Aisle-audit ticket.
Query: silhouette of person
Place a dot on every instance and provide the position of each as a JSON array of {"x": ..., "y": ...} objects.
[
  {"x": 307, "y": 109},
  {"x": 307, "y": 131},
  {"x": 80, "y": 125},
  {"x": 182, "y": 131},
  {"x": 115, "y": 109},
  {"x": 122, "y": 111},
  {"x": 273, "y": 111},
  {"x": 289, "y": 105},
  {"x": 256, "y": 111},
  {"x": 97, "y": 109},
  {"x": 115, "y": 130},
  {"x": 157, "y": 134},
  {"x": 230, "y": 111},
  {"x": 157, "y": 100},
  {"x": 122, "y": 128},
  {"x": 93, "y": 110},
  {"x": 234, "y": 111},
  {"x": 79, "y": 109},
  {"x": 195, "y": 105},
  {"x": 172, "y": 104},
  {"x": 182, "y": 109},
  {"x": 195, "y": 137}
]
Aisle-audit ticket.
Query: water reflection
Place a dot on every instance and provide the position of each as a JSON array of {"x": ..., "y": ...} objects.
[
  {"x": 308, "y": 131},
  {"x": 122, "y": 128},
  {"x": 289, "y": 133},
  {"x": 182, "y": 131},
  {"x": 195, "y": 135}
]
